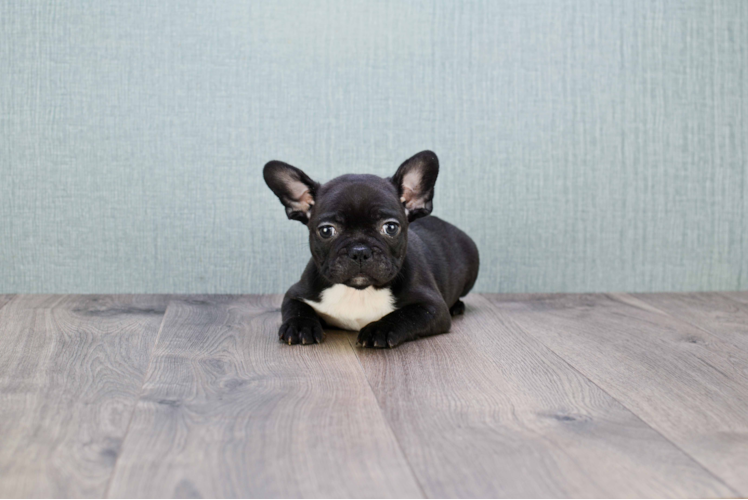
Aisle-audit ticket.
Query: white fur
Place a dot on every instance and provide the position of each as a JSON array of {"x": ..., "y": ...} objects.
[{"x": 352, "y": 309}]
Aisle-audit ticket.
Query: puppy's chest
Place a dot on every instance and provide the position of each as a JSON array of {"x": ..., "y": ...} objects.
[{"x": 351, "y": 309}]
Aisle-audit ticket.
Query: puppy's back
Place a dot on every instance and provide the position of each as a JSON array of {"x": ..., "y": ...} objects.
[{"x": 451, "y": 253}]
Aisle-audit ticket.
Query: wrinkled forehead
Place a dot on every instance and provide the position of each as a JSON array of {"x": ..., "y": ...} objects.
[{"x": 362, "y": 198}]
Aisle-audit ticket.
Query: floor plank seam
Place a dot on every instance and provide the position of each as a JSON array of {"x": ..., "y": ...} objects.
[
  {"x": 135, "y": 405},
  {"x": 11, "y": 297},
  {"x": 386, "y": 421},
  {"x": 742, "y": 306},
  {"x": 684, "y": 320},
  {"x": 635, "y": 414}
]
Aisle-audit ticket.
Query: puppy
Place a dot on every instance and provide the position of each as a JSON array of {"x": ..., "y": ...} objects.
[{"x": 379, "y": 265}]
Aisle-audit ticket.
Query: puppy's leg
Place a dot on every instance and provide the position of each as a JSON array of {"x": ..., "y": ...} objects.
[
  {"x": 301, "y": 325},
  {"x": 457, "y": 308},
  {"x": 407, "y": 323}
]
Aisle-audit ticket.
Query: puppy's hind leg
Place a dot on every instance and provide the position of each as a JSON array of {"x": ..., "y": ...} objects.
[{"x": 457, "y": 308}]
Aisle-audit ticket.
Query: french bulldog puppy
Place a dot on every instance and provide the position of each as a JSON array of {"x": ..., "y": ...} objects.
[{"x": 379, "y": 266}]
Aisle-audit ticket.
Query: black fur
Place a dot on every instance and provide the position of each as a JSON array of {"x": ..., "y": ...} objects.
[{"x": 428, "y": 265}]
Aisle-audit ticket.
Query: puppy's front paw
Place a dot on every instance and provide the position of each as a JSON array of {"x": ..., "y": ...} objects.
[
  {"x": 380, "y": 334},
  {"x": 301, "y": 331}
]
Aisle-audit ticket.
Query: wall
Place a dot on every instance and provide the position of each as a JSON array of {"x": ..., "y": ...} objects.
[{"x": 585, "y": 145}]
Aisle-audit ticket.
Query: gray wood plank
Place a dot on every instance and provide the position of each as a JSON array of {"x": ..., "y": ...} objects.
[
  {"x": 228, "y": 411},
  {"x": 488, "y": 411},
  {"x": 4, "y": 299},
  {"x": 718, "y": 313},
  {"x": 741, "y": 297},
  {"x": 686, "y": 383},
  {"x": 71, "y": 368}
]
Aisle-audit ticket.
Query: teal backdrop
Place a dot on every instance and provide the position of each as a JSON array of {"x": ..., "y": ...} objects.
[{"x": 585, "y": 145}]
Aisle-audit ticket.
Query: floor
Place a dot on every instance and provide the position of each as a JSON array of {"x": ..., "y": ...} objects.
[{"x": 529, "y": 395}]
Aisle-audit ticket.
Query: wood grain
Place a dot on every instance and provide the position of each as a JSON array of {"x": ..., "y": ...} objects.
[
  {"x": 488, "y": 411},
  {"x": 4, "y": 299},
  {"x": 741, "y": 297},
  {"x": 686, "y": 383},
  {"x": 228, "y": 411},
  {"x": 717, "y": 313},
  {"x": 71, "y": 368}
]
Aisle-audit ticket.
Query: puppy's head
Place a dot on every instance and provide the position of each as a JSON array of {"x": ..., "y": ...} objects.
[{"x": 358, "y": 224}]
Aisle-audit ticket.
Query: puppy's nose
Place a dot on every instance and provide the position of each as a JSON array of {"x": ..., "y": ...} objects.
[{"x": 359, "y": 253}]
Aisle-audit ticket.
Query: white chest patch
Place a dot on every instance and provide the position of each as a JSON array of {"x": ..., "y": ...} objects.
[{"x": 352, "y": 309}]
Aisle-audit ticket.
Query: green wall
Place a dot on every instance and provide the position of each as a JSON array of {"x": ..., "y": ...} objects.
[{"x": 585, "y": 145}]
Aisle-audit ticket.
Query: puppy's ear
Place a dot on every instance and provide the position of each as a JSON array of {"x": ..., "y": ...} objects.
[
  {"x": 293, "y": 187},
  {"x": 415, "y": 181}
]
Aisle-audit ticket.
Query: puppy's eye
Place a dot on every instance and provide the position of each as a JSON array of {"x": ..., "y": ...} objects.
[
  {"x": 390, "y": 228},
  {"x": 326, "y": 231}
]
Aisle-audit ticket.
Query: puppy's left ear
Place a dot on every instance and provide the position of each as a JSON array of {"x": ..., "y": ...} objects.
[
  {"x": 415, "y": 181},
  {"x": 293, "y": 187}
]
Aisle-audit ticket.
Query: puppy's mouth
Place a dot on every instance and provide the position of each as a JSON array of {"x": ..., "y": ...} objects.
[{"x": 360, "y": 281}]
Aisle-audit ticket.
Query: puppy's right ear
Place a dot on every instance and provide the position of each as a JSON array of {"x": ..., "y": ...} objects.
[{"x": 293, "y": 187}]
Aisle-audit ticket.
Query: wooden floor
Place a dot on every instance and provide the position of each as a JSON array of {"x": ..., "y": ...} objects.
[{"x": 529, "y": 395}]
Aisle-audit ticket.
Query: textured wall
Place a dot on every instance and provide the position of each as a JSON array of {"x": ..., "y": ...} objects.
[{"x": 586, "y": 146}]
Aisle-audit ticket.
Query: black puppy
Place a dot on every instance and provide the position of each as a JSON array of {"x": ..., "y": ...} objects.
[{"x": 376, "y": 265}]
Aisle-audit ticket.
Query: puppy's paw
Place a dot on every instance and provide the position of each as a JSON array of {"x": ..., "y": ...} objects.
[
  {"x": 301, "y": 331},
  {"x": 380, "y": 334},
  {"x": 457, "y": 308}
]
